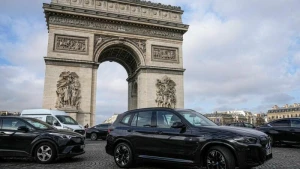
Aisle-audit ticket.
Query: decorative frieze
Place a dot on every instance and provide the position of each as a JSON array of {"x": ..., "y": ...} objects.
[
  {"x": 71, "y": 44},
  {"x": 101, "y": 39},
  {"x": 114, "y": 27},
  {"x": 68, "y": 91},
  {"x": 165, "y": 54},
  {"x": 166, "y": 93},
  {"x": 131, "y": 7}
]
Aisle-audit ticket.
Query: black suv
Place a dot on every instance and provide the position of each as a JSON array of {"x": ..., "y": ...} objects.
[
  {"x": 29, "y": 137},
  {"x": 184, "y": 136}
]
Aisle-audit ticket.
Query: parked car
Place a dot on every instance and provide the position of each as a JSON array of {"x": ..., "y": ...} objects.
[
  {"x": 30, "y": 137},
  {"x": 184, "y": 136},
  {"x": 241, "y": 124},
  {"x": 98, "y": 131},
  {"x": 56, "y": 118},
  {"x": 285, "y": 131}
]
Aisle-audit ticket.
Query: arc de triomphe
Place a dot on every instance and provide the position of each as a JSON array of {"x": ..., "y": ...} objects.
[{"x": 144, "y": 37}]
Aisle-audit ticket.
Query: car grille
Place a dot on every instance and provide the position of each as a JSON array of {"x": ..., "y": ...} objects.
[
  {"x": 77, "y": 139},
  {"x": 82, "y": 132}
]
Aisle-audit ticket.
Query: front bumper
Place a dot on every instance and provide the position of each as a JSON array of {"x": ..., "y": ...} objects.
[
  {"x": 71, "y": 151},
  {"x": 252, "y": 155}
]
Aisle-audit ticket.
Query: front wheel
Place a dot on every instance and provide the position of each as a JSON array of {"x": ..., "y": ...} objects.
[
  {"x": 123, "y": 155},
  {"x": 219, "y": 157},
  {"x": 45, "y": 153},
  {"x": 94, "y": 136}
]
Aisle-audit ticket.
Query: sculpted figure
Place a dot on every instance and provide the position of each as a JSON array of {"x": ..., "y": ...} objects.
[
  {"x": 166, "y": 93},
  {"x": 68, "y": 91}
]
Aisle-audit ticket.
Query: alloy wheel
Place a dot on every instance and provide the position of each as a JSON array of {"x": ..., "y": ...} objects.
[
  {"x": 122, "y": 155},
  {"x": 94, "y": 136},
  {"x": 44, "y": 153},
  {"x": 215, "y": 160}
]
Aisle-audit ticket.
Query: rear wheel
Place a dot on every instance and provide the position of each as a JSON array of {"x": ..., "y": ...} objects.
[
  {"x": 94, "y": 136},
  {"x": 123, "y": 155},
  {"x": 219, "y": 157},
  {"x": 45, "y": 153}
]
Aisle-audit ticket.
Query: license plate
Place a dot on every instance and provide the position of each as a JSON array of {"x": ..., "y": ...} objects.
[
  {"x": 82, "y": 146},
  {"x": 268, "y": 149}
]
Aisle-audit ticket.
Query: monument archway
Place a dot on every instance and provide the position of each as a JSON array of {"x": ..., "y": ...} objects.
[{"x": 144, "y": 37}]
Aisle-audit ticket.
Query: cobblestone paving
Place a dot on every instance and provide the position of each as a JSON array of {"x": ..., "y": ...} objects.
[{"x": 96, "y": 158}]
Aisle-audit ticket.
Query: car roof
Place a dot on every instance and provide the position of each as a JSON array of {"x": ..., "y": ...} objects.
[{"x": 298, "y": 118}]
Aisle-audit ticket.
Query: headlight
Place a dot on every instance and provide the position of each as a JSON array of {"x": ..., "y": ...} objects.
[
  {"x": 62, "y": 136},
  {"x": 68, "y": 128},
  {"x": 246, "y": 140}
]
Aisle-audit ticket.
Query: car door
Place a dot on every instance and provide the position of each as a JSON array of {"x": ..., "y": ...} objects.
[
  {"x": 280, "y": 130},
  {"x": 170, "y": 142},
  {"x": 14, "y": 141},
  {"x": 141, "y": 133},
  {"x": 295, "y": 130}
]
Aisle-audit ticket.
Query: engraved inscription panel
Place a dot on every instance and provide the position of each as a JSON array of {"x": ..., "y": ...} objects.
[
  {"x": 71, "y": 44},
  {"x": 165, "y": 54}
]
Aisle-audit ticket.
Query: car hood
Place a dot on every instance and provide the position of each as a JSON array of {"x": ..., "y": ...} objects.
[
  {"x": 236, "y": 130},
  {"x": 65, "y": 132}
]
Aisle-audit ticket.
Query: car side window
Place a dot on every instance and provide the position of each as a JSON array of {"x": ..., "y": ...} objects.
[
  {"x": 144, "y": 119},
  {"x": 166, "y": 119},
  {"x": 281, "y": 123},
  {"x": 49, "y": 120},
  {"x": 12, "y": 124},
  {"x": 249, "y": 125},
  {"x": 126, "y": 119},
  {"x": 295, "y": 123}
]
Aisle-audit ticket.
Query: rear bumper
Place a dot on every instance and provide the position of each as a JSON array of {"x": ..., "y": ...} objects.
[{"x": 109, "y": 149}]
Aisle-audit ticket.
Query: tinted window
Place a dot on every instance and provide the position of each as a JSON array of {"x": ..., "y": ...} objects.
[
  {"x": 166, "y": 119},
  {"x": 39, "y": 124},
  {"x": 295, "y": 123},
  {"x": 144, "y": 119},
  {"x": 249, "y": 125},
  {"x": 281, "y": 123},
  {"x": 12, "y": 124},
  {"x": 126, "y": 119}
]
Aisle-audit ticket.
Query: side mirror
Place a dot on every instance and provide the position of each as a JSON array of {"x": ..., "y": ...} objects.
[
  {"x": 23, "y": 128},
  {"x": 177, "y": 125}
]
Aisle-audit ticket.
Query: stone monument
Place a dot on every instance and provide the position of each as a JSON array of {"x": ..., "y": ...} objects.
[{"x": 144, "y": 37}]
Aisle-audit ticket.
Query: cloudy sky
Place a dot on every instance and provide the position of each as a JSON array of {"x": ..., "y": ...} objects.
[{"x": 238, "y": 55}]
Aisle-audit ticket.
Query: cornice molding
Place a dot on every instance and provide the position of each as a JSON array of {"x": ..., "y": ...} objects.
[
  {"x": 105, "y": 15},
  {"x": 71, "y": 62}
]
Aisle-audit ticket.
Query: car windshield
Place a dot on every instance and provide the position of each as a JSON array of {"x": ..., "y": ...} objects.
[
  {"x": 67, "y": 120},
  {"x": 196, "y": 119},
  {"x": 39, "y": 124}
]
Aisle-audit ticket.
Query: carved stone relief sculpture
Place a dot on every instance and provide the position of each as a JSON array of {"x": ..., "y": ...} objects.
[
  {"x": 165, "y": 54},
  {"x": 166, "y": 93},
  {"x": 100, "y": 39},
  {"x": 68, "y": 91},
  {"x": 71, "y": 44}
]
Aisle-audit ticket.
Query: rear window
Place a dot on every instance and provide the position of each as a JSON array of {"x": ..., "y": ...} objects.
[{"x": 126, "y": 119}]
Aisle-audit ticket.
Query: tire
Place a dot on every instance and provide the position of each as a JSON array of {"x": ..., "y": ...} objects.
[
  {"x": 123, "y": 155},
  {"x": 45, "y": 153},
  {"x": 219, "y": 157},
  {"x": 94, "y": 136}
]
